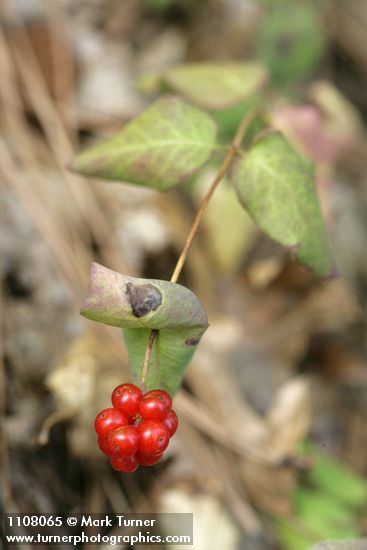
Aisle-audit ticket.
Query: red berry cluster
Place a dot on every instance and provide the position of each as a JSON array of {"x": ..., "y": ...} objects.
[{"x": 137, "y": 428}]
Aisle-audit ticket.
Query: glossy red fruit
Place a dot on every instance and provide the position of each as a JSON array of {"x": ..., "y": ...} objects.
[
  {"x": 108, "y": 420},
  {"x": 128, "y": 464},
  {"x": 103, "y": 445},
  {"x": 171, "y": 422},
  {"x": 147, "y": 460},
  {"x": 155, "y": 405},
  {"x": 123, "y": 442},
  {"x": 126, "y": 398},
  {"x": 153, "y": 437}
]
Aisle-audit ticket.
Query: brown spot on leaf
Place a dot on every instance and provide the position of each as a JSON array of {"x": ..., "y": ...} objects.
[
  {"x": 192, "y": 341},
  {"x": 141, "y": 165},
  {"x": 143, "y": 299}
]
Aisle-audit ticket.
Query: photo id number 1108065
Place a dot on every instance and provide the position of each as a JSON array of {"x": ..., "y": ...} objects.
[{"x": 34, "y": 521}]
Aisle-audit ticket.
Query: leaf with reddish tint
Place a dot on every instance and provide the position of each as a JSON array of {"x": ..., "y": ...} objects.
[
  {"x": 277, "y": 187},
  {"x": 140, "y": 305},
  {"x": 161, "y": 148}
]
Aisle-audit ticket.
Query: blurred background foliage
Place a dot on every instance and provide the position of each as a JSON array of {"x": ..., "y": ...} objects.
[{"x": 270, "y": 453}]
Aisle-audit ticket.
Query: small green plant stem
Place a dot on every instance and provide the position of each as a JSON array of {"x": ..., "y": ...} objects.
[{"x": 227, "y": 161}]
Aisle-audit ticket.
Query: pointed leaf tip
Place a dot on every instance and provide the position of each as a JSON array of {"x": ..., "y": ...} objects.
[{"x": 160, "y": 148}]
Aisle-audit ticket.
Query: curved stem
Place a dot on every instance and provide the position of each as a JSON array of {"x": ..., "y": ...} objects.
[
  {"x": 227, "y": 161},
  {"x": 148, "y": 353},
  {"x": 224, "y": 167}
]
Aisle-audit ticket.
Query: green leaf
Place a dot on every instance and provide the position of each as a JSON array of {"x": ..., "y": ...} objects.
[
  {"x": 139, "y": 305},
  {"x": 325, "y": 516},
  {"x": 160, "y": 148},
  {"x": 292, "y": 538},
  {"x": 284, "y": 43},
  {"x": 216, "y": 86},
  {"x": 317, "y": 516},
  {"x": 277, "y": 187},
  {"x": 228, "y": 119},
  {"x": 337, "y": 479}
]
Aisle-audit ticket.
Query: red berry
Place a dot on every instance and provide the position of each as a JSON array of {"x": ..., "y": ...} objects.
[
  {"x": 155, "y": 405},
  {"x": 171, "y": 422},
  {"x": 109, "y": 419},
  {"x": 102, "y": 444},
  {"x": 147, "y": 460},
  {"x": 126, "y": 398},
  {"x": 153, "y": 437},
  {"x": 123, "y": 442},
  {"x": 128, "y": 464}
]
